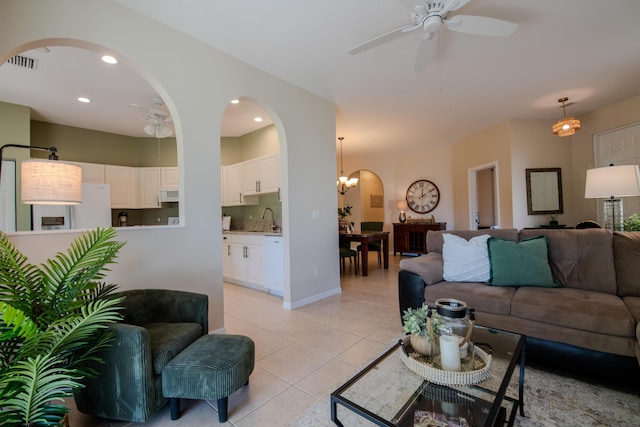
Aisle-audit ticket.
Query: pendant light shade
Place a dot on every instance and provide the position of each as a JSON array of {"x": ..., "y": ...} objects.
[
  {"x": 567, "y": 125},
  {"x": 50, "y": 182}
]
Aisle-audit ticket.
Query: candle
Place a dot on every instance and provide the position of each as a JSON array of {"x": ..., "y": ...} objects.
[{"x": 450, "y": 353}]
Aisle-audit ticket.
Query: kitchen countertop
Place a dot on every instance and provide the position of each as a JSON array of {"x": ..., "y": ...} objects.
[{"x": 256, "y": 233}]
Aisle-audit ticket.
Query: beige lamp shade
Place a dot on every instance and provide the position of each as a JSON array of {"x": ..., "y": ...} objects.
[
  {"x": 402, "y": 205},
  {"x": 610, "y": 181},
  {"x": 50, "y": 182}
]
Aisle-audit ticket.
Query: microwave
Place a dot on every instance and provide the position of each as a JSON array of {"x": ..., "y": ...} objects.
[{"x": 165, "y": 196}]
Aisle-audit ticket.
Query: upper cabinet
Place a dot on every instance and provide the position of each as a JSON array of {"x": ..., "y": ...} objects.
[
  {"x": 91, "y": 172},
  {"x": 261, "y": 175},
  {"x": 243, "y": 182},
  {"x": 124, "y": 186},
  {"x": 169, "y": 178}
]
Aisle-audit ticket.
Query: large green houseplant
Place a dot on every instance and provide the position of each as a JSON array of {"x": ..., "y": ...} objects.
[{"x": 53, "y": 321}]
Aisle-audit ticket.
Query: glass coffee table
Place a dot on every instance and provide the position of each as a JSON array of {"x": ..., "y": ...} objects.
[{"x": 387, "y": 393}]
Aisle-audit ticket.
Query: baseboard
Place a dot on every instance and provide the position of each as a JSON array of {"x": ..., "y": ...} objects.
[{"x": 306, "y": 301}]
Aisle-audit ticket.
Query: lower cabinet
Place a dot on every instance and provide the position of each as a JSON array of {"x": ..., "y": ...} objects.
[{"x": 243, "y": 259}]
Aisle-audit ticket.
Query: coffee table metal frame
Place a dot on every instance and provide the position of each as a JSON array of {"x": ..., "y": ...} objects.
[{"x": 500, "y": 395}]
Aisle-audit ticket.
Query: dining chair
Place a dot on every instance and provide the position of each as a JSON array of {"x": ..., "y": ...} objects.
[
  {"x": 373, "y": 246},
  {"x": 347, "y": 252}
]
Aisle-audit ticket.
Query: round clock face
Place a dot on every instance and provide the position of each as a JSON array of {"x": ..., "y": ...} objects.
[{"x": 423, "y": 196}]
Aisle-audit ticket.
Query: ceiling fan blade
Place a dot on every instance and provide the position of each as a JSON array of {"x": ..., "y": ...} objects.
[
  {"x": 383, "y": 38},
  {"x": 481, "y": 25},
  {"x": 424, "y": 53}
]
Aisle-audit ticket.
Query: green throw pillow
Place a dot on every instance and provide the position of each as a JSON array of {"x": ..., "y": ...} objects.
[{"x": 523, "y": 263}]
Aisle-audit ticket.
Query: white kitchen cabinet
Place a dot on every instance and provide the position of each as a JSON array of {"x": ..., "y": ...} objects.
[
  {"x": 93, "y": 173},
  {"x": 148, "y": 187},
  {"x": 244, "y": 259},
  {"x": 124, "y": 186},
  {"x": 273, "y": 259},
  {"x": 226, "y": 255},
  {"x": 169, "y": 177},
  {"x": 232, "y": 180},
  {"x": 261, "y": 175}
]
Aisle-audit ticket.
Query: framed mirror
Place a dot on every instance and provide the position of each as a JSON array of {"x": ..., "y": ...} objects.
[{"x": 544, "y": 191}]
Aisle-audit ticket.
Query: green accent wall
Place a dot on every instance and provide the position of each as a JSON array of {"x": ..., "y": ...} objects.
[{"x": 86, "y": 145}]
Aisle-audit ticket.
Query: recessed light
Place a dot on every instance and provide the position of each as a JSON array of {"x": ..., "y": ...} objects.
[
  {"x": 235, "y": 101},
  {"x": 257, "y": 119},
  {"x": 109, "y": 59},
  {"x": 83, "y": 99}
]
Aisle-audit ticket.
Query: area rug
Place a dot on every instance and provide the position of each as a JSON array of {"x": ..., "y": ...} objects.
[{"x": 550, "y": 400}]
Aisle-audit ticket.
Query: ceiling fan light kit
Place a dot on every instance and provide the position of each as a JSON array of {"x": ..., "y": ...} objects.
[
  {"x": 566, "y": 126},
  {"x": 158, "y": 119}
]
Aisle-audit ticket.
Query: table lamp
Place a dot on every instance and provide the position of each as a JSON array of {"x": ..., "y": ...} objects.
[
  {"x": 402, "y": 207},
  {"x": 611, "y": 183}
]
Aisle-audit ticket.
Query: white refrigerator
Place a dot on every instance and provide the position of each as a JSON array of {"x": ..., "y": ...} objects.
[{"x": 94, "y": 211}]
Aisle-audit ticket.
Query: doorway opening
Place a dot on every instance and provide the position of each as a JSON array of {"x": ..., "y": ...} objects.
[{"x": 484, "y": 197}]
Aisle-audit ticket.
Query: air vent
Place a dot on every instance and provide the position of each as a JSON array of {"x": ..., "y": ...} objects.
[{"x": 24, "y": 62}]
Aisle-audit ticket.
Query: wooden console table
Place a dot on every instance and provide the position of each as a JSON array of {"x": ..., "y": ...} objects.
[{"x": 411, "y": 236}]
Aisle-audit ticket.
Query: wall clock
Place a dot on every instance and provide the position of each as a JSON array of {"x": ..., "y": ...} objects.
[{"x": 423, "y": 196}]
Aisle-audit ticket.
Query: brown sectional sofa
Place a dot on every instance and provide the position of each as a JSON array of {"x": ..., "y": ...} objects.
[{"x": 597, "y": 307}]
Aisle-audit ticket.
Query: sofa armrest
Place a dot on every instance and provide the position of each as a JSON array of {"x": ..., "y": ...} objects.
[
  {"x": 125, "y": 380},
  {"x": 429, "y": 267},
  {"x": 410, "y": 291}
]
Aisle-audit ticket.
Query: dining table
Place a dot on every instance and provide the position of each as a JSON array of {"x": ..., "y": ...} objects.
[{"x": 364, "y": 238}]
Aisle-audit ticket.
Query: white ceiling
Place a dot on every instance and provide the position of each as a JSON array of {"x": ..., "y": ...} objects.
[{"x": 588, "y": 50}]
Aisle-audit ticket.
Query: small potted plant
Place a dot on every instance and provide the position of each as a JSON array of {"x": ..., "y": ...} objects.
[
  {"x": 415, "y": 323},
  {"x": 553, "y": 220},
  {"x": 632, "y": 223},
  {"x": 343, "y": 213}
]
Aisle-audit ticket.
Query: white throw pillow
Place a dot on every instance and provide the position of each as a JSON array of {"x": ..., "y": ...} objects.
[{"x": 465, "y": 261}]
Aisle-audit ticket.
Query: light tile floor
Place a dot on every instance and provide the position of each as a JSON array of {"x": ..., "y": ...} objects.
[{"x": 301, "y": 355}]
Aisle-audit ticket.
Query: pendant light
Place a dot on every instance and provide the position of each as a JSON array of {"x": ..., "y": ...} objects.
[
  {"x": 344, "y": 183},
  {"x": 566, "y": 125}
]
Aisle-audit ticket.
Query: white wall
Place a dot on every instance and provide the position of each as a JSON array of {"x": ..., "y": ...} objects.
[{"x": 188, "y": 257}]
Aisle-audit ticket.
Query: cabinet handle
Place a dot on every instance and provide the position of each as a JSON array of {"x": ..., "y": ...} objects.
[
  {"x": 259, "y": 186},
  {"x": 228, "y": 250},
  {"x": 240, "y": 197}
]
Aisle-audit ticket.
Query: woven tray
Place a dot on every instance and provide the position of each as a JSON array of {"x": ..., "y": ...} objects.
[{"x": 422, "y": 366}]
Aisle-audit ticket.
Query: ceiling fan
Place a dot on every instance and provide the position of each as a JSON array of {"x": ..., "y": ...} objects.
[
  {"x": 430, "y": 16},
  {"x": 158, "y": 119}
]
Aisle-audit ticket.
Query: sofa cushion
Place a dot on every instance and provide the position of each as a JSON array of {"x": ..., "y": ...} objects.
[
  {"x": 429, "y": 267},
  {"x": 169, "y": 339},
  {"x": 435, "y": 240},
  {"x": 626, "y": 250},
  {"x": 575, "y": 309},
  {"x": 465, "y": 260},
  {"x": 633, "y": 304},
  {"x": 479, "y": 296},
  {"x": 581, "y": 259},
  {"x": 523, "y": 263}
]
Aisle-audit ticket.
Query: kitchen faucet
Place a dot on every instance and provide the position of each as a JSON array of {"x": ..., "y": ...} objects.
[{"x": 273, "y": 220}]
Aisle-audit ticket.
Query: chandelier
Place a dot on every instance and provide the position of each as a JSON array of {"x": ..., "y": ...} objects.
[
  {"x": 566, "y": 125},
  {"x": 344, "y": 183}
]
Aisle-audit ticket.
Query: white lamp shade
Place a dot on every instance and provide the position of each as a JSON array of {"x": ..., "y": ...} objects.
[
  {"x": 609, "y": 181},
  {"x": 50, "y": 182},
  {"x": 402, "y": 205}
]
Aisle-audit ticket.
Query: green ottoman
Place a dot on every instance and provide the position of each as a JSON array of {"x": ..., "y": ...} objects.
[{"x": 212, "y": 367}]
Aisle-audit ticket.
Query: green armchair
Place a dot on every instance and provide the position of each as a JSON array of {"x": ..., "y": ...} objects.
[{"x": 158, "y": 324}]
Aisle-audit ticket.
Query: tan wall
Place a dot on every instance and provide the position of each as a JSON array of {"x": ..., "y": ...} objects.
[
  {"x": 492, "y": 145},
  {"x": 533, "y": 145},
  {"x": 613, "y": 116}
]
